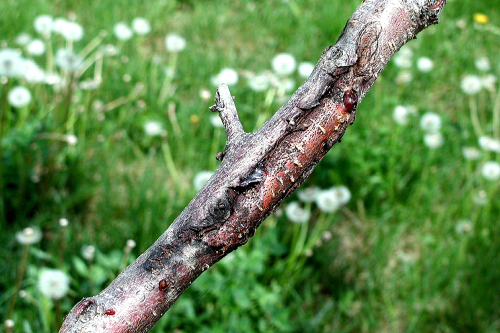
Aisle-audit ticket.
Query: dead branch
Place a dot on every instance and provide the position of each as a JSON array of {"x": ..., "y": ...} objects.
[{"x": 258, "y": 170}]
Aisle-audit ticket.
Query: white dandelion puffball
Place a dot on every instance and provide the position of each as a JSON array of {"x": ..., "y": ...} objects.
[
  {"x": 403, "y": 57},
  {"x": 59, "y": 25},
  {"x": 327, "y": 201},
  {"x": 430, "y": 122},
  {"x": 174, "y": 42},
  {"x": 44, "y": 24},
  {"x": 141, "y": 26},
  {"x": 153, "y": 128},
  {"x": 72, "y": 31},
  {"x": 308, "y": 194},
  {"x": 227, "y": 75},
  {"x": 88, "y": 252},
  {"x": 122, "y": 31},
  {"x": 71, "y": 139},
  {"x": 471, "y": 84},
  {"x": 305, "y": 69},
  {"x": 259, "y": 82},
  {"x": 28, "y": 236},
  {"x": 433, "y": 140},
  {"x": 483, "y": 64},
  {"x": 463, "y": 227},
  {"x": 404, "y": 77},
  {"x": 297, "y": 214},
  {"x": 19, "y": 97},
  {"x": 32, "y": 73},
  {"x": 63, "y": 222},
  {"x": 425, "y": 64},
  {"x": 216, "y": 121},
  {"x": 491, "y": 170},
  {"x": 471, "y": 153},
  {"x": 284, "y": 64},
  {"x": 36, "y": 47},
  {"x": 400, "y": 114},
  {"x": 489, "y": 144},
  {"x": 66, "y": 59},
  {"x": 489, "y": 82},
  {"x": 53, "y": 283},
  {"x": 11, "y": 62},
  {"x": 201, "y": 179},
  {"x": 23, "y": 39}
]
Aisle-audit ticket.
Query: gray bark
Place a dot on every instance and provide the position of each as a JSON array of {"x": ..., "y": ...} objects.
[{"x": 258, "y": 170}]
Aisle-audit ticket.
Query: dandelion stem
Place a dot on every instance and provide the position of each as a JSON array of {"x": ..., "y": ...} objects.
[
  {"x": 20, "y": 275},
  {"x": 475, "y": 117},
  {"x": 171, "y": 165},
  {"x": 3, "y": 114},
  {"x": 496, "y": 116},
  {"x": 169, "y": 77}
]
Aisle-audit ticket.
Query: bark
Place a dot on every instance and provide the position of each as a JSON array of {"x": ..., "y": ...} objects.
[{"x": 258, "y": 170}]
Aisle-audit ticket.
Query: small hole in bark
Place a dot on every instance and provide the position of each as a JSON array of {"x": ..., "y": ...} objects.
[{"x": 163, "y": 284}]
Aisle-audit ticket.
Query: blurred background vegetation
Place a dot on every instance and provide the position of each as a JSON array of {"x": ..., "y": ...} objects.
[{"x": 101, "y": 147}]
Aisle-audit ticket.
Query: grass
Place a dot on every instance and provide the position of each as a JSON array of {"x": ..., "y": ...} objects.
[{"x": 416, "y": 248}]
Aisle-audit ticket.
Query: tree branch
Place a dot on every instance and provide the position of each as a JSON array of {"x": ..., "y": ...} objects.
[{"x": 258, "y": 170}]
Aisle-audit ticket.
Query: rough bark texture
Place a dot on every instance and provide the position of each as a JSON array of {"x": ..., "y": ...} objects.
[{"x": 258, "y": 170}]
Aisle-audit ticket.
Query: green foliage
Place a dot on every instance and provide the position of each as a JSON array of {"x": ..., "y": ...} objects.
[{"x": 109, "y": 152}]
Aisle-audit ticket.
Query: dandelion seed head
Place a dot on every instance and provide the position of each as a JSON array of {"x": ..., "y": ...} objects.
[
  {"x": 153, "y": 128},
  {"x": 327, "y": 201},
  {"x": 425, "y": 64},
  {"x": 131, "y": 243},
  {"x": 433, "y": 140},
  {"x": 36, "y": 47},
  {"x": 44, "y": 24},
  {"x": 404, "y": 77},
  {"x": 72, "y": 31},
  {"x": 308, "y": 194},
  {"x": 471, "y": 153},
  {"x": 471, "y": 84},
  {"x": 71, "y": 139},
  {"x": 297, "y": 214},
  {"x": 403, "y": 58},
  {"x": 53, "y": 283},
  {"x": 23, "y": 39},
  {"x": 285, "y": 84},
  {"x": 284, "y": 64},
  {"x": 463, "y": 227},
  {"x": 19, "y": 97},
  {"x": 430, "y": 122},
  {"x": 141, "y": 26},
  {"x": 9, "y": 323},
  {"x": 491, "y": 170},
  {"x": 480, "y": 198},
  {"x": 175, "y": 42},
  {"x": 227, "y": 75},
  {"x": 63, "y": 222},
  {"x": 11, "y": 62},
  {"x": 88, "y": 252},
  {"x": 489, "y": 144},
  {"x": 205, "y": 94},
  {"x": 216, "y": 121},
  {"x": 259, "y": 82},
  {"x": 122, "y": 31},
  {"x": 483, "y": 64},
  {"x": 29, "y": 235},
  {"x": 489, "y": 82},
  {"x": 66, "y": 59},
  {"x": 201, "y": 179},
  {"x": 305, "y": 69},
  {"x": 400, "y": 114}
]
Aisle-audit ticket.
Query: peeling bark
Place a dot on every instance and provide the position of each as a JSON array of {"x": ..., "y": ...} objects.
[{"x": 258, "y": 170}]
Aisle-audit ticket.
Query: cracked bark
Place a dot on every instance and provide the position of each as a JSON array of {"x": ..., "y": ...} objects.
[{"x": 258, "y": 170}]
